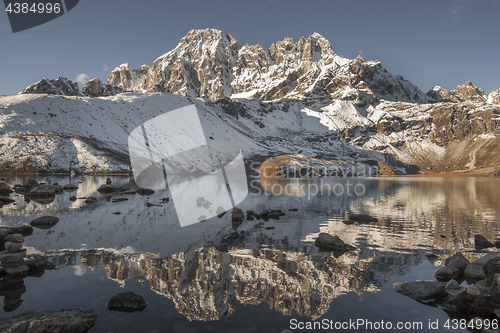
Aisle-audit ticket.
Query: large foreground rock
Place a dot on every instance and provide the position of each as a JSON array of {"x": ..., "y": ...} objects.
[
  {"x": 38, "y": 321},
  {"x": 422, "y": 291},
  {"x": 453, "y": 266},
  {"x": 127, "y": 302}
]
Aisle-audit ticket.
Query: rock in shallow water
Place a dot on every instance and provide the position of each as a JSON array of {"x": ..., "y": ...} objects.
[
  {"x": 90, "y": 200},
  {"x": 362, "y": 218},
  {"x": 422, "y": 291},
  {"x": 38, "y": 321},
  {"x": 481, "y": 242},
  {"x": 145, "y": 191},
  {"x": 127, "y": 302},
  {"x": 44, "y": 222},
  {"x": 475, "y": 269},
  {"x": 329, "y": 242},
  {"x": 453, "y": 266},
  {"x": 105, "y": 188}
]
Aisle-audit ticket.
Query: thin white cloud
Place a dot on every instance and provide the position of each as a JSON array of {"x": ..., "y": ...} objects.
[
  {"x": 458, "y": 7},
  {"x": 361, "y": 53},
  {"x": 104, "y": 68},
  {"x": 82, "y": 78}
]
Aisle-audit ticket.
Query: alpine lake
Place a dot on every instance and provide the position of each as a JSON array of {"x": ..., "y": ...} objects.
[{"x": 260, "y": 275}]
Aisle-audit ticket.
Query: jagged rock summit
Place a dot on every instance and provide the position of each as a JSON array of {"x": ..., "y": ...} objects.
[
  {"x": 60, "y": 86},
  {"x": 211, "y": 64}
]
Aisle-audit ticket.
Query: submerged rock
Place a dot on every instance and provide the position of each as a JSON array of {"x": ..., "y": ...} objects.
[
  {"x": 38, "y": 321},
  {"x": 127, "y": 302},
  {"x": 70, "y": 187},
  {"x": 362, "y": 218},
  {"x": 90, "y": 200},
  {"x": 42, "y": 191},
  {"x": 453, "y": 266},
  {"x": 145, "y": 191},
  {"x": 237, "y": 215},
  {"x": 44, "y": 222}
]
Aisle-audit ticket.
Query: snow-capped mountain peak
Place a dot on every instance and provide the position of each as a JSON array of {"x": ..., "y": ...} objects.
[{"x": 211, "y": 64}]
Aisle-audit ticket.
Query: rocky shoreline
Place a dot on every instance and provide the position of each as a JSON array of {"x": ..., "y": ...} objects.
[{"x": 462, "y": 288}]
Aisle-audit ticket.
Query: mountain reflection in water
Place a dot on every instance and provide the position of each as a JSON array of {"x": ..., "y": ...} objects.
[{"x": 208, "y": 274}]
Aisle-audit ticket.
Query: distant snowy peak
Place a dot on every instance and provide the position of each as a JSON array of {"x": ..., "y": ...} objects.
[
  {"x": 126, "y": 79},
  {"x": 211, "y": 64},
  {"x": 60, "y": 86},
  {"x": 466, "y": 92},
  {"x": 494, "y": 97},
  {"x": 469, "y": 92},
  {"x": 65, "y": 87}
]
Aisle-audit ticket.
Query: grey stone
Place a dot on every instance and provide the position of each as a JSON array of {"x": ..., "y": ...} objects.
[
  {"x": 453, "y": 266},
  {"x": 481, "y": 243},
  {"x": 105, "y": 188},
  {"x": 3, "y": 233},
  {"x": 12, "y": 264},
  {"x": 475, "y": 269},
  {"x": 60, "y": 321},
  {"x": 14, "y": 238},
  {"x": 44, "y": 222},
  {"x": 452, "y": 284},
  {"x": 5, "y": 189},
  {"x": 473, "y": 291},
  {"x": 15, "y": 271},
  {"x": 145, "y": 191},
  {"x": 497, "y": 313},
  {"x": 329, "y": 242},
  {"x": 6, "y": 256},
  {"x": 35, "y": 262},
  {"x": 90, "y": 200},
  {"x": 70, "y": 187},
  {"x": 24, "y": 230},
  {"x": 422, "y": 291},
  {"x": 42, "y": 191},
  {"x": 362, "y": 218},
  {"x": 127, "y": 302},
  {"x": 483, "y": 287},
  {"x": 237, "y": 215},
  {"x": 275, "y": 214},
  {"x": 13, "y": 247},
  {"x": 6, "y": 200}
]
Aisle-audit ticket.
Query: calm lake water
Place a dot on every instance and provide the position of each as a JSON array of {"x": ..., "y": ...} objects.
[{"x": 269, "y": 276}]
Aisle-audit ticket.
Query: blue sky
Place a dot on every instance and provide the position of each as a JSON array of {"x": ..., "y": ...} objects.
[{"x": 444, "y": 42}]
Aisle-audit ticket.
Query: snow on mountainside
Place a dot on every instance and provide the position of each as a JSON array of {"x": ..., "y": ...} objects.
[
  {"x": 208, "y": 63},
  {"x": 293, "y": 98}
]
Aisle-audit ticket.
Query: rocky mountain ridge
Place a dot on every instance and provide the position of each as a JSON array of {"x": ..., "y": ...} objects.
[{"x": 295, "y": 97}]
